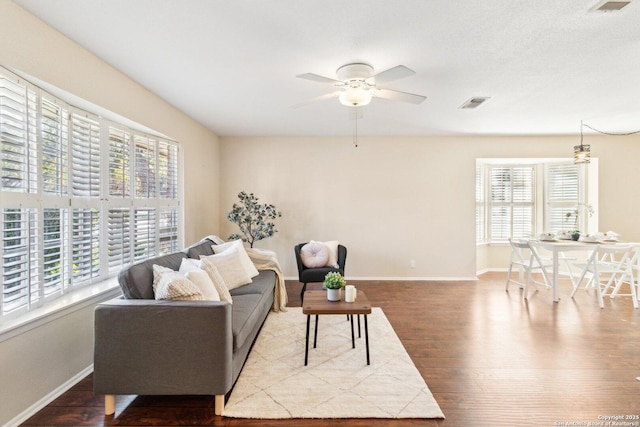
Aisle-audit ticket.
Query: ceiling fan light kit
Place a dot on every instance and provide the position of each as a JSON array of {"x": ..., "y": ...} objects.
[
  {"x": 355, "y": 96},
  {"x": 358, "y": 91}
]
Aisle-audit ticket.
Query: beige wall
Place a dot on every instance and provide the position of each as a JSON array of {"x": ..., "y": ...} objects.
[
  {"x": 30, "y": 46},
  {"x": 394, "y": 199}
]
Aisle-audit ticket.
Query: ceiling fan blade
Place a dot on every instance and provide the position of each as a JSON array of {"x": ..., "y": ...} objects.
[
  {"x": 396, "y": 73},
  {"x": 395, "y": 95},
  {"x": 318, "y": 98},
  {"x": 319, "y": 78}
]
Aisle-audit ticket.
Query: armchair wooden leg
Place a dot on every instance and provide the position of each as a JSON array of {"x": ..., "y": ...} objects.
[
  {"x": 109, "y": 404},
  {"x": 219, "y": 404}
]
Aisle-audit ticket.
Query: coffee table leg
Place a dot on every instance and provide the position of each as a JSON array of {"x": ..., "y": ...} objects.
[
  {"x": 306, "y": 347},
  {"x": 353, "y": 335},
  {"x": 366, "y": 337},
  {"x": 359, "y": 335},
  {"x": 315, "y": 334}
]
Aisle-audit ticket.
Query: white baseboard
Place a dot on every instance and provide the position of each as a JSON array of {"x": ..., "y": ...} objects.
[{"x": 50, "y": 397}]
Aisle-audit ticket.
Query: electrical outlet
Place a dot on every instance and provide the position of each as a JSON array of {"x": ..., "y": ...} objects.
[{"x": 412, "y": 263}]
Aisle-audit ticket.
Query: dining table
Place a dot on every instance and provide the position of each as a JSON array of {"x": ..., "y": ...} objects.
[{"x": 558, "y": 246}]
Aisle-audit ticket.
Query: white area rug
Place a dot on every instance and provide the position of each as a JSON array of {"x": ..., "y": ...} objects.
[{"x": 337, "y": 383}]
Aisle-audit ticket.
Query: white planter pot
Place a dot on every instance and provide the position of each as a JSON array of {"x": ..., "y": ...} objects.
[{"x": 333, "y": 294}]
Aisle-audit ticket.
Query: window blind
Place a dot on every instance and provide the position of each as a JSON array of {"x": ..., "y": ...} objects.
[
  {"x": 17, "y": 135},
  {"x": 85, "y": 132},
  {"x": 563, "y": 196},
  {"x": 119, "y": 162},
  {"x": 513, "y": 201},
  {"x": 145, "y": 152},
  {"x": 55, "y": 150},
  {"x": 81, "y": 197},
  {"x": 512, "y": 207}
]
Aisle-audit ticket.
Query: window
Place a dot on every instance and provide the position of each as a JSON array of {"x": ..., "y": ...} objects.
[
  {"x": 521, "y": 199},
  {"x": 511, "y": 201},
  {"x": 81, "y": 197}
]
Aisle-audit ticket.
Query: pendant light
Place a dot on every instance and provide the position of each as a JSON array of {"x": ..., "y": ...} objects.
[{"x": 582, "y": 152}]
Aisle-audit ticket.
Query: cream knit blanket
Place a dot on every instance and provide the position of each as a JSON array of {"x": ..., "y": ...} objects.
[{"x": 265, "y": 259}]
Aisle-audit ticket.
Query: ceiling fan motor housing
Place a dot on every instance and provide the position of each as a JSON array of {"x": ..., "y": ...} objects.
[{"x": 350, "y": 72}]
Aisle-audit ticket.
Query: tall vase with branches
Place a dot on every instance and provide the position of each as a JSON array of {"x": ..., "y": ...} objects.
[
  {"x": 575, "y": 214},
  {"x": 253, "y": 219}
]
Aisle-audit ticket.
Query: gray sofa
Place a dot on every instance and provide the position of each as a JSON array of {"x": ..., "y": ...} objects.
[{"x": 149, "y": 347}]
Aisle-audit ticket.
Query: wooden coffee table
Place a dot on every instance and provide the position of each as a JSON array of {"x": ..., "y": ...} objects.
[{"x": 316, "y": 303}]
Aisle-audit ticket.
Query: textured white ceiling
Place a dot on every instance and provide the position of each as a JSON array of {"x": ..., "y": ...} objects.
[{"x": 231, "y": 65}]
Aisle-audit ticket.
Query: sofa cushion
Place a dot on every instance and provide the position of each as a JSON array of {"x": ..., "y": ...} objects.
[
  {"x": 203, "y": 247},
  {"x": 136, "y": 281},
  {"x": 263, "y": 283}
]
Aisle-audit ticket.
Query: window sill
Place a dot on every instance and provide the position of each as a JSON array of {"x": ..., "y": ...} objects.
[
  {"x": 499, "y": 244},
  {"x": 62, "y": 306}
]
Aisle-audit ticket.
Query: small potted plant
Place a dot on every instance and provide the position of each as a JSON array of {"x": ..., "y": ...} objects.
[
  {"x": 575, "y": 235},
  {"x": 334, "y": 282}
]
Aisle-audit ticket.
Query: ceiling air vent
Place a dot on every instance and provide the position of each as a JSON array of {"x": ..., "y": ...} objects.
[
  {"x": 610, "y": 6},
  {"x": 473, "y": 103}
]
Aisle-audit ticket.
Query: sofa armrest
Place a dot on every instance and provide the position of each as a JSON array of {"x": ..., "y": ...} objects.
[{"x": 162, "y": 347}]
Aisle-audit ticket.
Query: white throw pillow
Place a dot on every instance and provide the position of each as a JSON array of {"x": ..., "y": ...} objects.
[
  {"x": 202, "y": 280},
  {"x": 237, "y": 245},
  {"x": 171, "y": 285},
  {"x": 229, "y": 264},
  {"x": 314, "y": 255},
  {"x": 191, "y": 264},
  {"x": 332, "y": 245}
]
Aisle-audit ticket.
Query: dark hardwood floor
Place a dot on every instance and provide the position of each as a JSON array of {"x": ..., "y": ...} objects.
[{"x": 489, "y": 358}]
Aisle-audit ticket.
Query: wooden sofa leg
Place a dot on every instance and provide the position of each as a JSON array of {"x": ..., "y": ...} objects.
[
  {"x": 219, "y": 404},
  {"x": 109, "y": 404}
]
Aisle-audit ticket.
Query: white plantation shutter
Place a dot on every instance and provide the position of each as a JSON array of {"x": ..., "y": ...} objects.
[
  {"x": 85, "y": 141},
  {"x": 55, "y": 149},
  {"x": 512, "y": 201},
  {"x": 85, "y": 245},
  {"x": 168, "y": 230},
  {"x": 563, "y": 196},
  {"x": 144, "y": 234},
  {"x": 145, "y": 167},
  {"x": 119, "y": 238},
  {"x": 119, "y": 162},
  {"x": 18, "y": 135},
  {"x": 20, "y": 260},
  {"x": 56, "y": 262},
  {"x": 80, "y": 197},
  {"x": 168, "y": 170}
]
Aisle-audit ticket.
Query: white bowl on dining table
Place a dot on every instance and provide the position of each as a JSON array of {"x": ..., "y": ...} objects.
[{"x": 590, "y": 238}]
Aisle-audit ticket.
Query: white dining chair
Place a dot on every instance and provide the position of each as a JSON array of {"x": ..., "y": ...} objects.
[
  {"x": 633, "y": 275},
  {"x": 525, "y": 258},
  {"x": 608, "y": 265}
]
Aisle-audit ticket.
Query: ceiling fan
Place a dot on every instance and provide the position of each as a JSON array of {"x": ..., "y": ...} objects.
[{"x": 356, "y": 85}]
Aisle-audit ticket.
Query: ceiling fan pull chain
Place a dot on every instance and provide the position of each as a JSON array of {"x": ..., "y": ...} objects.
[{"x": 355, "y": 130}]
